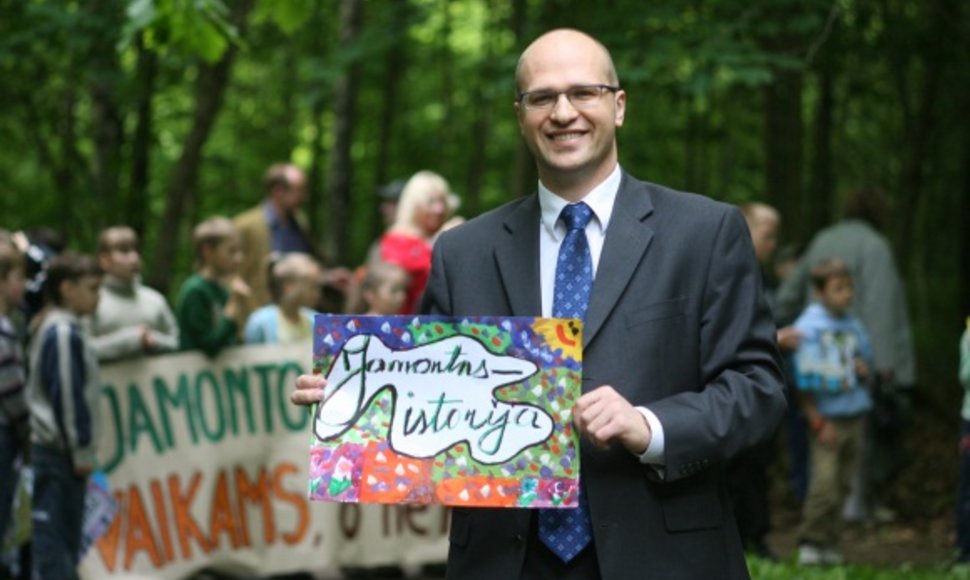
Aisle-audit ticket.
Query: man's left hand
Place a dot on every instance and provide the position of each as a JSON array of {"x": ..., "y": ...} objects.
[{"x": 605, "y": 417}]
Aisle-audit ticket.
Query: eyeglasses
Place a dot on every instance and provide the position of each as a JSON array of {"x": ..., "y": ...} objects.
[{"x": 579, "y": 96}]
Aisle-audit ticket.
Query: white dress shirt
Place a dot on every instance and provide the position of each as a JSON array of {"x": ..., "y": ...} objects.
[{"x": 551, "y": 234}]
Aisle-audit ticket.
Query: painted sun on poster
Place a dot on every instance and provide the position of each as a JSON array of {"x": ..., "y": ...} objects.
[{"x": 457, "y": 411}]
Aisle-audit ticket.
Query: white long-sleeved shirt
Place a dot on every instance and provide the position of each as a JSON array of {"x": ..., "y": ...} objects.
[{"x": 123, "y": 309}]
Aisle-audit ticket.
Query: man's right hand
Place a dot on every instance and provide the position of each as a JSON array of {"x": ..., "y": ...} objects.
[
  {"x": 309, "y": 390},
  {"x": 789, "y": 338}
]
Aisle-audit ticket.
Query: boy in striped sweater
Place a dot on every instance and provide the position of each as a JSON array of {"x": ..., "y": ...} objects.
[
  {"x": 13, "y": 405},
  {"x": 62, "y": 392}
]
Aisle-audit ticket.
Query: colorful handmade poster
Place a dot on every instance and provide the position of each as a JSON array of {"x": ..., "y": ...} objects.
[
  {"x": 469, "y": 411},
  {"x": 100, "y": 508}
]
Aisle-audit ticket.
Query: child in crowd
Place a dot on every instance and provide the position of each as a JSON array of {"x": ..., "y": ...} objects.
[
  {"x": 13, "y": 403},
  {"x": 294, "y": 284},
  {"x": 131, "y": 319},
  {"x": 212, "y": 301},
  {"x": 963, "y": 489},
  {"x": 831, "y": 365},
  {"x": 384, "y": 289},
  {"x": 63, "y": 385}
]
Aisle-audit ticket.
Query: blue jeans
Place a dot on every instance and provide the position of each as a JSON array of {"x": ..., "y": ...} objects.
[
  {"x": 8, "y": 477},
  {"x": 963, "y": 495},
  {"x": 57, "y": 515}
]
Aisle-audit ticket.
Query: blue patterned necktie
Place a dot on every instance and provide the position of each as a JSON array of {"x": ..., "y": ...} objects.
[{"x": 567, "y": 531}]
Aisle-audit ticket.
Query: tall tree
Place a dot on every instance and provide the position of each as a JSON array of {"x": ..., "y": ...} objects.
[
  {"x": 823, "y": 56},
  {"x": 783, "y": 137},
  {"x": 146, "y": 70},
  {"x": 395, "y": 64},
  {"x": 104, "y": 72},
  {"x": 340, "y": 170},
  {"x": 210, "y": 87}
]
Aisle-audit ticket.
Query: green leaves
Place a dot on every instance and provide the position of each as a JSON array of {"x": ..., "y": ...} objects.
[{"x": 189, "y": 27}]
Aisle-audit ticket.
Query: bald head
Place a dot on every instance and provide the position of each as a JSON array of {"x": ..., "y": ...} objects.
[
  {"x": 757, "y": 213},
  {"x": 763, "y": 222},
  {"x": 568, "y": 43}
]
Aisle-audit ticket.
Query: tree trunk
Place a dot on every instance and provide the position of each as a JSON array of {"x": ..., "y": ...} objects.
[
  {"x": 146, "y": 69},
  {"x": 446, "y": 130},
  {"x": 104, "y": 74},
  {"x": 395, "y": 62},
  {"x": 919, "y": 126},
  {"x": 315, "y": 173},
  {"x": 965, "y": 221},
  {"x": 823, "y": 179},
  {"x": 783, "y": 130},
  {"x": 479, "y": 135},
  {"x": 72, "y": 165},
  {"x": 524, "y": 173},
  {"x": 210, "y": 88},
  {"x": 314, "y": 186},
  {"x": 340, "y": 167}
]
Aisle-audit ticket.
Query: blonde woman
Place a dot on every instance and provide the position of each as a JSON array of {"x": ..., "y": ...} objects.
[{"x": 424, "y": 208}]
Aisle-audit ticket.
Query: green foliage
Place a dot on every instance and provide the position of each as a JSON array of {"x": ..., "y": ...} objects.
[
  {"x": 434, "y": 90},
  {"x": 788, "y": 570},
  {"x": 192, "y": 27}
]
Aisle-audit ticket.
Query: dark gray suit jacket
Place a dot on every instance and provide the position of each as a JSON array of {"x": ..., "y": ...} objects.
[{"x": 676, "y": 322}]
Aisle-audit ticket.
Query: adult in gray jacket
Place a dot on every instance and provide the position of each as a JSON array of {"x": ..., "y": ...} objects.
[{"x": 880, "y": 304}]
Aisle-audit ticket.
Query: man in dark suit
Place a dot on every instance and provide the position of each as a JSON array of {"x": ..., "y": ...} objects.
[{"x": 680, "y": 371}]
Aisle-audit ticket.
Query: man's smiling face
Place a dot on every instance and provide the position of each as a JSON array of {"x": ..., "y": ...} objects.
[{"x": 573, "y": 147}]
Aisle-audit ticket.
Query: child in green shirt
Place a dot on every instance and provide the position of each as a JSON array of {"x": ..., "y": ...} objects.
[{"x": 212, "y": 302}]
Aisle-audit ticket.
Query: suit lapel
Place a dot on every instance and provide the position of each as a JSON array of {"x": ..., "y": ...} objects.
[
  {"x": 517, "y": 255},
  {"x": 627, "y": 238}
]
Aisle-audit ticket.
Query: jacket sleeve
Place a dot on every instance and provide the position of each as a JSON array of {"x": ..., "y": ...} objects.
[
  {"x": 197, "y": 325},
  {"x": 435, "y": 299},
  {"x": 165, "y": 331},
  {"x": 740, "y": 398},
  {"x": 884, "y": 308},
  {"x": 13, "y": 401},
  {"x": 123, "y": 342},
  {"x": 64, "y": 374}
]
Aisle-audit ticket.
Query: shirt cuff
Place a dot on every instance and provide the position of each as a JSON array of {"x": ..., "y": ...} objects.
[{"x": 654, "y": 454}]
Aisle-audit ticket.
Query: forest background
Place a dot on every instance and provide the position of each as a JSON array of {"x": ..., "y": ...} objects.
[{"x": 160, "y": 113}]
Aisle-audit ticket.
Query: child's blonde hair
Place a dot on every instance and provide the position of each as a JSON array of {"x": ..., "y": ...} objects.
[
  {"x": 286, "y": 268},
  {"x": 826, "y": 270},
  {"x": 117, "y": 237},
  {"x": 370, "y": 280},
  {"x": 416, "y": 193},
  {"x": 209, "y": 234},
  {"x": 11, "y": 258}
]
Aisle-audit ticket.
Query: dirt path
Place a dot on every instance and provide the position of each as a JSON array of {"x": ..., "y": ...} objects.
[{"x": 921, "y": 543}]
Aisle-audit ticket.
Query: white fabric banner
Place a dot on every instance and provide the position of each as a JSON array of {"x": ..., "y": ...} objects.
[{"x": 208, "y": 461}]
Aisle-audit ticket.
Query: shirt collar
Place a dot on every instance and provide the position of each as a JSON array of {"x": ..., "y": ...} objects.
[
  {"x": 600, "y": 199},
  {"x": 272, "y": 218}
]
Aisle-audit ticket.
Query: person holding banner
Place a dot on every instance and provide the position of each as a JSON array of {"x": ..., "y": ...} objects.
[
  {"x": 132, "y": 319},
  {"x": 63, "y": 388},
  {"x": 680, "y": 369},
  {"x": 14, "y": 415},
  {"x": 212, "y": 303}
]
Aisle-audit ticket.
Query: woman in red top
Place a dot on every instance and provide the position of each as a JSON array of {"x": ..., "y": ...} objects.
[{"x": 424, "y": 207}]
